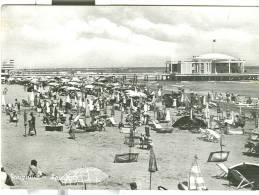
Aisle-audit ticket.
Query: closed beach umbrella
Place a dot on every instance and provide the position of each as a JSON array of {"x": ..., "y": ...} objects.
[
  {"x": 168, "y": 116},
  {"x": 152, "y": 166},
  {"x": 3, "y": 100},
  {"x": 145, "y": 107},
  {"x": 89, "y": 175},
  {"x": 68, "y": 99},
  {"x": 204, "y": 100},
  {"x": 32, "y": 98},
  {"x": 80, "y": 102},
  {"x": 182, "y": 98},
  {"x": 159, "y": 93}
]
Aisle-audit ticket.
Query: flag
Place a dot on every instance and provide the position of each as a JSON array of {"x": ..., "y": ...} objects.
[{"x": 152, "y": 161}]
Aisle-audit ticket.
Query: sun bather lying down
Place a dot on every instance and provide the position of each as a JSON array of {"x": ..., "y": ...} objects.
[{"x": 34, "y": 171}]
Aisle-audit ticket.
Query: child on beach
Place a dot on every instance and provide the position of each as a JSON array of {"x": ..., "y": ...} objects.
[{"x": 34, "y": 171}]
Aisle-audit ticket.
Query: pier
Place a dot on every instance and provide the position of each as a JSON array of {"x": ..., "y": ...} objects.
[{"x": 149, "y": 76}]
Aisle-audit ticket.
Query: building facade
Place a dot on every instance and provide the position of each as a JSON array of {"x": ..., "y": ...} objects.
[{"x": 211, "y": 63}]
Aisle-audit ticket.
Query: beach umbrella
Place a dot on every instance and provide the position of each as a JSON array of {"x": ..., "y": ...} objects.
[
  {"x": 80, "y": 103},
  {"x": 186, "y": 122},
  {"x": 3, "y": 103},
  {"x": 152, "y": 166},
  {"x": 87, "y": 109},
  {"x": 89, "y": 175},
  {"x": 168, "y": 116},
  {"x": 196, "y": 181},
  {"x": 204, "y": 100},
  {"x": 68, "y": 99},
  {"x": 182, "y": 98},
  {"x": 32, "y": 98}
]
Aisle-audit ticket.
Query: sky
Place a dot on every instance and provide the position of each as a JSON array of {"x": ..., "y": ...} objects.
[{"x": 123, "y": 36}]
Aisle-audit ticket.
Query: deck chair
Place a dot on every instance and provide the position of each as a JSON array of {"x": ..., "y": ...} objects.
[
  {"x": 224, "y": 171},
  {"x": 235, "y": 177},
  {"x": 82, "y": 123},
  {"x": 157, "y": 125}
]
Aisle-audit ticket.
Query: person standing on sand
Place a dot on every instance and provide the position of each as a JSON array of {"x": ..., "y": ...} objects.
[{"x": 32, "y": 124}]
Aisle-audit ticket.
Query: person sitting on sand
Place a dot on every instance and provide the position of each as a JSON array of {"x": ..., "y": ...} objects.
[
  {"x": 34, "y": 171},
  {"x": 6, "y": 180},
  {"x": 133, "y": 186}
]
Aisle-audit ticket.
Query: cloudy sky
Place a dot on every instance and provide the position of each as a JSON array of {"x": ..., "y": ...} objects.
[{"x": 126, "y": 36}]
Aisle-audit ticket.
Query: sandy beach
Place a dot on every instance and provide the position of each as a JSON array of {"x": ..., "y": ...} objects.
[{"x": 56, "y": 154}]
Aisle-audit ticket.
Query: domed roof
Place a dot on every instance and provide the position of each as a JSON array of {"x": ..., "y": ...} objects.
[{"x": 214, "y": 56}]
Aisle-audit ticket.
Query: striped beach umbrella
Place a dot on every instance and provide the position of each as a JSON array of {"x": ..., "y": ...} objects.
[{"x": 196, "y": 181}]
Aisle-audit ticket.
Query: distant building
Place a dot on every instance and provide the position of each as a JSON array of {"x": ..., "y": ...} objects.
[
  {"x": 211, "y": 63},
  {"x": 6, "y": 69}
]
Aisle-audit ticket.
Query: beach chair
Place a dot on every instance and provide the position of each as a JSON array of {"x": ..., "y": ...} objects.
[
  {"x": 157, "y": 125},
  {"x": 159, "y": 129},
  {"x": 236, "y": 178},
  {"x": 111, "y": 122},
  {"x": 224, "y": 171}
]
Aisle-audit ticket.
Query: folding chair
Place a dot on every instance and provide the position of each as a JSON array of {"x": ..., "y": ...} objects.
[
  {"x": 236, "y": 177},
  {"x": 157, "y": 125},
  {"x": 224, "y": 171}
]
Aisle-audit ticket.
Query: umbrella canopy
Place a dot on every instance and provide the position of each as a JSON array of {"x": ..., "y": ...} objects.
[
  {"x": 89, "y": 175},
  {"x": 248, "y": 170}
]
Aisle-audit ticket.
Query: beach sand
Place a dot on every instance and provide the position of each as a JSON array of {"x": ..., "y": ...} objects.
[{"x": 56, "y": 154}]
